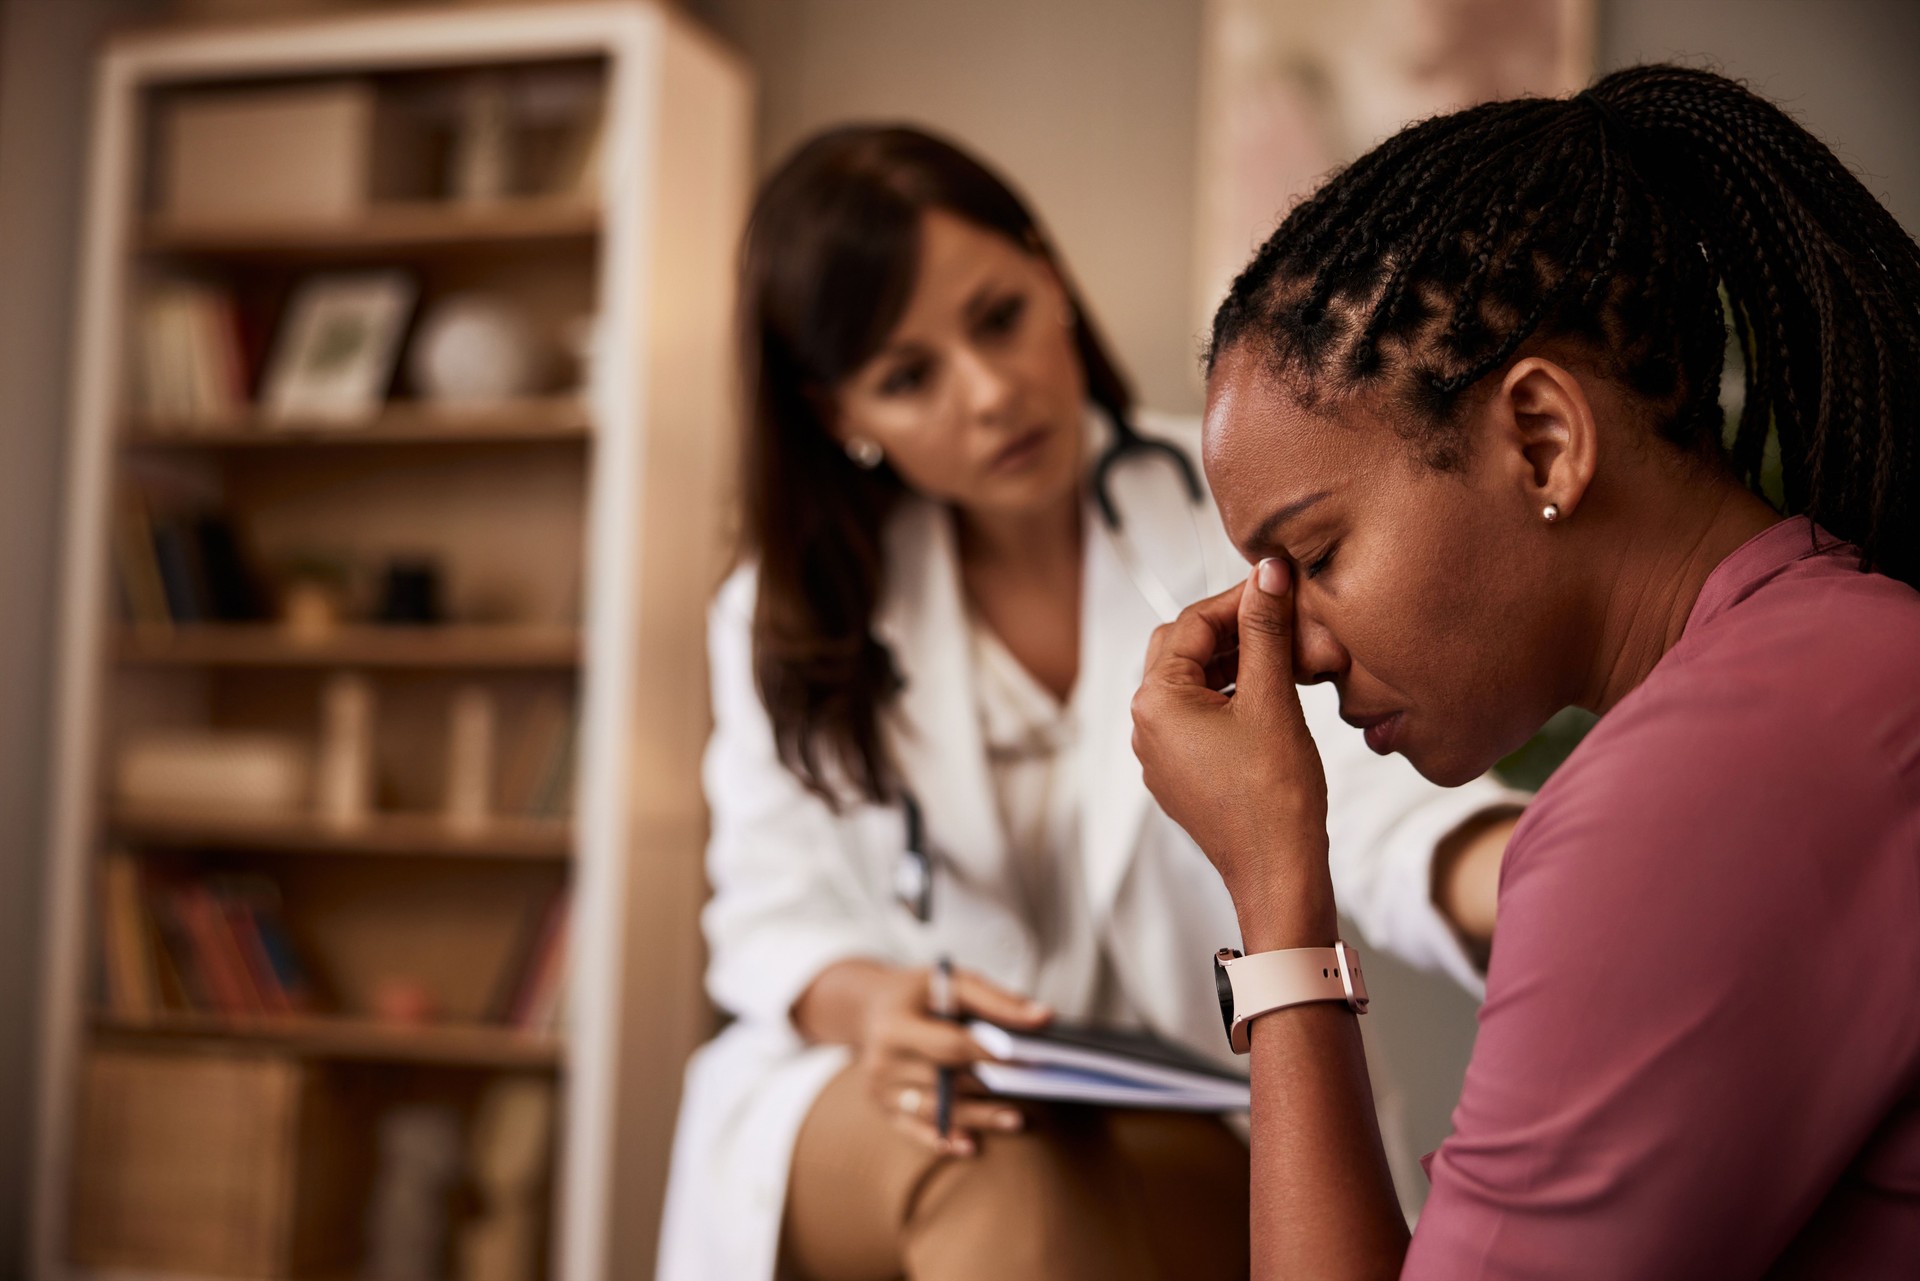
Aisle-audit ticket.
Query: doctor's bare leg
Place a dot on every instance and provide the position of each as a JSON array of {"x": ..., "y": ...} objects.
[{"x": 1082, "y": 1193}]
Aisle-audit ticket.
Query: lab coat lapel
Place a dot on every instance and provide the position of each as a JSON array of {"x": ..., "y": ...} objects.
[
  {"x": 1116, "y": 626},
  {"x": 933, "y": 728}
]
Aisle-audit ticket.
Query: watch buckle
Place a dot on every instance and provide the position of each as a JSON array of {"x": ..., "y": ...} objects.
[{"x": 1352, "y": 981}]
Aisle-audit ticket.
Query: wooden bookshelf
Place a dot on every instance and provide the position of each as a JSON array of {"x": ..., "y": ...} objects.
[
  {"x": 421, "y": 835},
  {"x": 339, "y": 1037},
  {"x": 268, "y": 645},
  {"x": 603, "y": 504},
  {"x": 540, "y": 421},
  {"x": 397, "y": 228}
]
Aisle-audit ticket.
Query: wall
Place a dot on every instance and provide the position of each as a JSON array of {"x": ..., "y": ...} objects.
[
  {"x": 1088, "y": 105},
  {"x": 45, "y": 53}
]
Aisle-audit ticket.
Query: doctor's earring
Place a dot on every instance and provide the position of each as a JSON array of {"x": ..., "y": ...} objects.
[
  {"x": 866, "y": 454},
  {"x": 1550, "y": 513}
]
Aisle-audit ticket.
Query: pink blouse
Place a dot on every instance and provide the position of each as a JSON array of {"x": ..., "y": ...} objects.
[{"x": 1700, "y": 1050}]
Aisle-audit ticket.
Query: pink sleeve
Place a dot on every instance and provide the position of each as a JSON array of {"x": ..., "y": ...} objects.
[{"x": 1684, "y": 1043}]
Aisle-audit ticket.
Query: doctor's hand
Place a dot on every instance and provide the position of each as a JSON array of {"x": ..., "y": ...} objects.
[
  {"x": 1240, "y": 772},
  {"x": 886, "y": 1014}
]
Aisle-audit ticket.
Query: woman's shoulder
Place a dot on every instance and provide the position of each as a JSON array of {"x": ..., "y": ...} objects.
[
  {"x": 733, "y": 601},
  {"x": 1781, "y": 733}
]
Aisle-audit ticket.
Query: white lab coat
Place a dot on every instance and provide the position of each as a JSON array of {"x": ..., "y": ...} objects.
[{"x": 798, "y": 887}]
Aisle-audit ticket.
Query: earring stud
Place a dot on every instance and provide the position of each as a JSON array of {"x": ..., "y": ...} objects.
[
  {"x": 866, "y": 454},
  {"x": 1550, "y": 513}
]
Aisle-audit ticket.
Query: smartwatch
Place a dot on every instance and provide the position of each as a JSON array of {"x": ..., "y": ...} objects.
[{"x": 1250, "y": 986}]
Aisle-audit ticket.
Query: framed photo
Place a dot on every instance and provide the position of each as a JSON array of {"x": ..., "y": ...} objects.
[
  {"x": 1290, "y": 90},
  {"x": 337, "y": 347}
]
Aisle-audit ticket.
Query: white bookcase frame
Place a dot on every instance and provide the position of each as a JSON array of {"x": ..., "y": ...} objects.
[{"x": 676, "y": 177}]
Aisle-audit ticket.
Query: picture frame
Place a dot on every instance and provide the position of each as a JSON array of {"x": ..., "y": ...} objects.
[{"x": 337, "y": 347}]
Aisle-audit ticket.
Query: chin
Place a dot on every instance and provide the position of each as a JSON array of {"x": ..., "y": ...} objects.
[{"x": 1448, "y": 768}]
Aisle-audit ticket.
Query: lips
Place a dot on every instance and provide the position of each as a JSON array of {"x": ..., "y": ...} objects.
[
  {"x": 1382, "y": 729},
  {"x": 1023, "y": 449}
]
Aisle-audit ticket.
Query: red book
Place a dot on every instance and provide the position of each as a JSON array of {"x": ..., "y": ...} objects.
[
  {"x": 545, "y": 966},
  {"x": 220, "y": 962},
  {"x": 253, "y": 953}
]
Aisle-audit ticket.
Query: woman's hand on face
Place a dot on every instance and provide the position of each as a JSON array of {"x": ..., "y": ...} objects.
[
  {"x": 1240, "y": 772},
  {"x": 904, "y": 1044}
]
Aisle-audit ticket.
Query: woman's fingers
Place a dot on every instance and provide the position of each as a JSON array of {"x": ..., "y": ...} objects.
[
  {"x": 1195, "y": 645},
  {"x": 1241, "y": 774},
  {"x": 1264, "y": 621},
  {"x": 915, "y": 1113},
  {"x": 935, "y": 1040},
  {"x": 923, "y": 1133},
  {"x": 970, "y": 1112},
  {"x": 995, "y": 1004}
]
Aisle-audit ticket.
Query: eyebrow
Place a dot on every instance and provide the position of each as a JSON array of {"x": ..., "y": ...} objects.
[
  {"x": 989, "y": 295},
  {"x": 977, "y": 303},
  {"x": 1263, "y": 536}
]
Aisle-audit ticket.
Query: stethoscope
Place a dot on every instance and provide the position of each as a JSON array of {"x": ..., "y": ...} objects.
[{"x": 913, "y": 871}]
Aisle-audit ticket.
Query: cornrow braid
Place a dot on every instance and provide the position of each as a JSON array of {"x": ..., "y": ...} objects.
[{"x": 1642, "y": 218}]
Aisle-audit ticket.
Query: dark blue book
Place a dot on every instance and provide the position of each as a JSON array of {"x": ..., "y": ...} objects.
[{"x": 173, "y": 550}]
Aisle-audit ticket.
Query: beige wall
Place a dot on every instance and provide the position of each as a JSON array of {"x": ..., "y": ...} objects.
[{"x": 1088, "y": 105}]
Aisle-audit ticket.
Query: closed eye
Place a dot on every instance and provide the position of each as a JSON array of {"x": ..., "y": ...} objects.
[
  {"x": 905, "y": 379},
  {"x": 1004, "y": 316},
  {"x": 1320, "y": 563}
]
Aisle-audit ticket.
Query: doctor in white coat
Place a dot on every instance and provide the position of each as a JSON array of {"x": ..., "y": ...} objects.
[{"x": 969, "y": 411}]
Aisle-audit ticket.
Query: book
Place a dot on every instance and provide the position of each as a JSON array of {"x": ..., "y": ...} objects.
[
  {"x": 144, "y": 589},
  {"x": 189, "y": 357},
  {"x": 223, "y": 965},
  {"x": 133, "y": 983},
  {"x": 180, "y": 575},
  {"x": 221, "y": 946},
  {"x": 1074, "y": 1064},
  {"x": 538, "y": 1002},
  {"x": 540, "y": 739}
]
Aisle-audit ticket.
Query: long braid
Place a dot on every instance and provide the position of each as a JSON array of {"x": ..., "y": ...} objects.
[{"x": 1620, "y": 219}]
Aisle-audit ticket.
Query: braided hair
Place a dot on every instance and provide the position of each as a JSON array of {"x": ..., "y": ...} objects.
[{"x": 1618, "y": 219}]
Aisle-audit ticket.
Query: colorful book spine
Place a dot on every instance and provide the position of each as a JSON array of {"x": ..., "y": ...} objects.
[{"x": 536, "y": 1008}]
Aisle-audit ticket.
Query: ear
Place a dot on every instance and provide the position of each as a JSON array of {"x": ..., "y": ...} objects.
[{"x": 1542, "y": 415}]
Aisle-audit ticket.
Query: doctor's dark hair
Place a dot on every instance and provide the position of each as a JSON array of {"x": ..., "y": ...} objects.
[
  {"x": 829, "y": 263},
  {"x": 1617, "y": 219}
]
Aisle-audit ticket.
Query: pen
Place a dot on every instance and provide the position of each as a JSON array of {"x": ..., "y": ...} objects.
[{"x": 941, "y": 994}]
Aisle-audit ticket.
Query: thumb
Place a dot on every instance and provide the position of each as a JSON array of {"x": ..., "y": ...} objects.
[
  {"x": 980, "y": 996},
  {"x": 1266, "y": 636}
]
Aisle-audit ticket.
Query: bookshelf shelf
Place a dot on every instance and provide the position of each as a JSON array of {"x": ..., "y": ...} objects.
[
  {"x": 266, "y": 645},
  {"x": 421, "y": 835},
  {"x": 339, "y": 1037},
  {"x": 548, "y": 420},
  {"x": 412, "y": 227}
]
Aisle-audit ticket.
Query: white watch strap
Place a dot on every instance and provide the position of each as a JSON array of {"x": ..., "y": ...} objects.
[{"x": 1269, "y": 981}]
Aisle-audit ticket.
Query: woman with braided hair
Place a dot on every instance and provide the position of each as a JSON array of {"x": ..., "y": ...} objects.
[{"x": 1463, "y": 413}]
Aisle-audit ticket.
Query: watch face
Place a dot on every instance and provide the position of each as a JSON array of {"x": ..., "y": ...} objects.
[{"x": 1223, "y": 986}]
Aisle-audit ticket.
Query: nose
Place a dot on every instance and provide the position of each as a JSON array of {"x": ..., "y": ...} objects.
[
  {"x": 986, "y": 392},
  {"x": 1317, "y": 656}
]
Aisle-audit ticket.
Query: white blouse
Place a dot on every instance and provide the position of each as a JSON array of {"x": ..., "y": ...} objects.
[{"x": 1033, "y": 758}]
